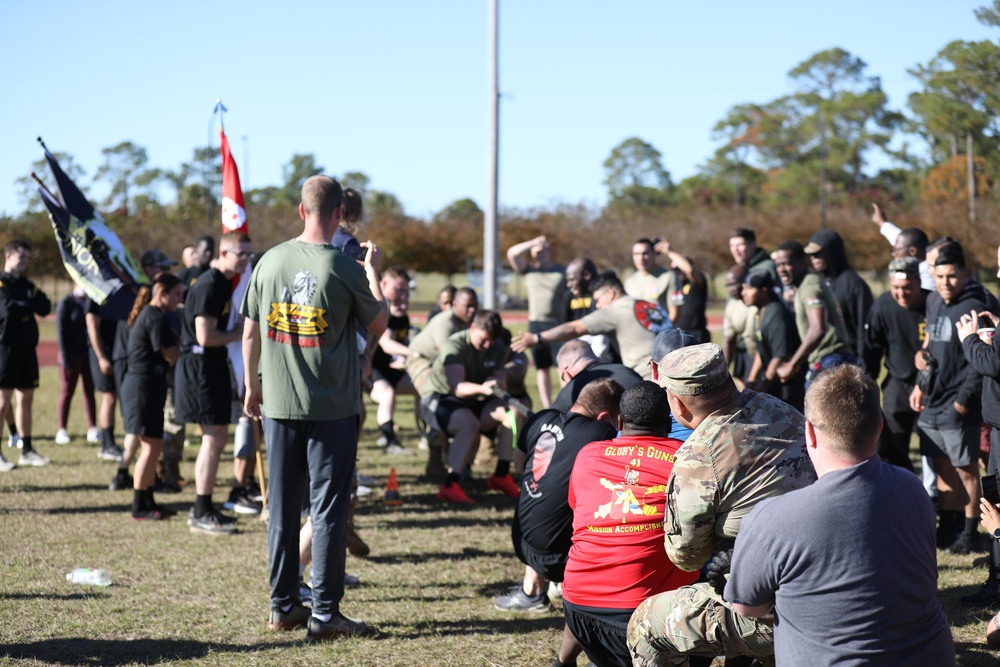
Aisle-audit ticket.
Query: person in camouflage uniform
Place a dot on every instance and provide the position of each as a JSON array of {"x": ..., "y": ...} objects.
[{"x": 746, "y": 446}]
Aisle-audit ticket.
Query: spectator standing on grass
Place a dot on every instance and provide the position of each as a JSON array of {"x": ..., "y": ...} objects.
[
  {"x": 580, "y": 275},
  {"x": 777, "y": 340},
  {"x": 858, "y": 545},
  {"x": 909, "y": 242},
  {"x": 745, "y": 251},
  {"x": 693, "y": 291},
  {"x": 101, "y": 330},
  {"x": 20, "y": 303},
  {"x": 443, "y": 301},
  {"x": 739, "y": 342},
  {"x": 896, "y": 329},
  {"x": 301, "y": 375},
  {"x": 202, "y": 387},
  {"x": 546, "y": 284},
  {"x": 617, "y": 494},
  {"x": 829, "y": 259},
  {"x": 204, "y": 251},
  {"x": 652, "y": 282},
  {"x": 74, "y": 365},
  {"x": 152, "y": 349},
  {"x": 950, "y": 412}
]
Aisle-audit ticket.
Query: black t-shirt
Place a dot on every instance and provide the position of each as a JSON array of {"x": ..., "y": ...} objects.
[
  {"x": 106, "y": 330},
  {"x": 897, "y": 333},
  {"x": 777, "y": 335},
  {"x": 551, "y": 440},
  {"x": 20, "y": 301},
  {"x": 623, "y": 375},
  {"x": 400, "y": 328},
  {"x": 577, "y": 306},
  {"x": 190, "y": 275},
  {"x": 692, "y": 317},
  {"x": 209, "y": 297},
  {"x": 150, "y": 333}
]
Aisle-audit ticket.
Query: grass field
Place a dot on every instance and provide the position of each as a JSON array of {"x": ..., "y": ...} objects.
[{"x": 180, "y": 598}]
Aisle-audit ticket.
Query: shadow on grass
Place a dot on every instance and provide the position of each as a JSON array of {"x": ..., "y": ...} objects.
[
  {"x": 465, "y": 554},
  {"x": 476, "y": 627},
  {"x": 85, "y": 651},
  {"x": 70, "y": 488},
  {"x": 54, "y": 596},
  {"x": 462, "y": 521}
]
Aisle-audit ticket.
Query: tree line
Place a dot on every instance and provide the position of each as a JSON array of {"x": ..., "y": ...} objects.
[{"x": 785, "y": 167}]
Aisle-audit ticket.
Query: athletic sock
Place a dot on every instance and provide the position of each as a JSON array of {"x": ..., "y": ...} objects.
[
  {"x": 451, "y": 478},
  {"x": 25, "y": 443},
  {"x": 202, "y": 504},
  {"x": 503, "y": 469},
  {"x": 387, "y": 429},
  {"x": 107, "y": 437},
  {"x": 971, "y": 526},
  {"x": 138, "y": 501},
  {"x": 322, "y": 618},
  {"x": 12, "y": 428}
]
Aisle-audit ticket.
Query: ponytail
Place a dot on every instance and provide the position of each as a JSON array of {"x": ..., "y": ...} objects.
[{"x": 162, "y": 283}]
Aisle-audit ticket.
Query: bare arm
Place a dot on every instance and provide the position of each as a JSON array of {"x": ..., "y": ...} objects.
[
  {"x": 381, "y": 321},
  {"x": 455, "y": 373},
  {"x": 391, "y": 346},
  {"x": 251, "y": 363},
  {"x": 516, "y": 254},
  {"x": 817, "y": 326},
  {"x": 565, "y": 331},
  {"x": 94, "y": 333},
  {"x": 207, "y": 335},
  {"x": 171, "y": 354}
]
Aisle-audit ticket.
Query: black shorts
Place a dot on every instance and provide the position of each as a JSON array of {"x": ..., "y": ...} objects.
[
  {"x": 119, "y": 366},
  {"x": 437, "y": 410},
  {"x": 142, "y": 398},
  {"x": 18, "y": 367},
  {"x": 390, "y": 375},
  {"x": 202, "y": 391},
  {"x": 102, "y": 383},
  {"x": 601, "y": 632},
  {"x": 550, "y": 566},
  {"x": 543, "y": 355}
]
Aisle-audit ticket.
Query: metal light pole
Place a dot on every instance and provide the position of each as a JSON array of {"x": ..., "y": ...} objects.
[{"x": 490, "y": 231}]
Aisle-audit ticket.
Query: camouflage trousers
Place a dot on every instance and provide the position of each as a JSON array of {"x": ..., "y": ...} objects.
[{"x": 695, "y": 621}]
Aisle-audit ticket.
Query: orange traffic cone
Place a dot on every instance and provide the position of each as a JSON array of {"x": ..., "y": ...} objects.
[{"x": 392, "y": 496}]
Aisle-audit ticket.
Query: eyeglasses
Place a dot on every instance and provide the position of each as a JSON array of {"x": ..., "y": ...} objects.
[{"x": 239, "y": 255}]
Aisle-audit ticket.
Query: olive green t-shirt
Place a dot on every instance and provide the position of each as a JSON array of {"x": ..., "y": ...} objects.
[
  {"x": 425, "y": 345},
  {"x": 308, "y": 300},
  {"x": 479, "y": 366},
  {"x": 814, "y": 293},
  {"x": 545, "y": 292}
]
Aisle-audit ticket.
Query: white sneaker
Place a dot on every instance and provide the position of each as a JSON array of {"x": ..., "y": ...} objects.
[
  {"x": 555, "y": 591},
  {"x": 14, "y": 441},
  {"x": 363, "y": 491},
  {"x": 32, "y": 458},
  {"x": 93, "y": 434},
  {"x": 5, "y": 465},
  {"x": 62, "y": 437}
]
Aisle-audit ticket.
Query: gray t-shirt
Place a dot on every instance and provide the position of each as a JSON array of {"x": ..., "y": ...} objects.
[
  {"x": 633, "y": 324},
  {"x": 308, "y": 300},
  {"x": 851, "y": 566},
  {"x": 662, "y": 286}
]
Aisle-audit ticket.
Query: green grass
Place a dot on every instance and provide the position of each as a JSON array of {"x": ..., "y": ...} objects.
[{"x": 189, "y": 599}]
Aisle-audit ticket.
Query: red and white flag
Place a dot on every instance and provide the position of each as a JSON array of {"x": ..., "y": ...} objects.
[
  {"x": 234, "y": 219},
  {"x": 234, "y": 213}
]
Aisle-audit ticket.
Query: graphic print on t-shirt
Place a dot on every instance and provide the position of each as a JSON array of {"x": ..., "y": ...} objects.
[
  {"x": 651, "y": 316},
  {"x": 293, "y": 321},
  {"x": 625, "y": 499}
]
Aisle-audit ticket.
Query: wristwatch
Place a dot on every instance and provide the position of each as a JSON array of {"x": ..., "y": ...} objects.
[{"x": 996, "y": 534}]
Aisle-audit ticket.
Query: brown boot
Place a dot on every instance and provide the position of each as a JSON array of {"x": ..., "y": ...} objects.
[{"x": 355, "y": 545}]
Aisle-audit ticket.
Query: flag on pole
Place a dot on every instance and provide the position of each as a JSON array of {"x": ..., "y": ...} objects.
[
  {"x": 234, "y": 213},
  {"x": 234, "y": 219},
  {"x": 92, "y": 254}
]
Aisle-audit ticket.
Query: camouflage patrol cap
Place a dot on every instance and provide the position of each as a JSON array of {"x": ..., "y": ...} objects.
[
  {"x": 905, "y": 268},
  {"x": 694, "y": 370}
]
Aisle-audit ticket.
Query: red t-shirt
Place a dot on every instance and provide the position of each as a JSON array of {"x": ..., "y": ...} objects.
[{"x": 617, "y": 492}]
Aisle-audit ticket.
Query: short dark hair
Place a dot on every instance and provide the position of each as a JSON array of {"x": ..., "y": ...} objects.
[
  {"x": 16, "y": 245},
  {"x": 951, "y": 255},
  {"x": 795, "y": 249},
  {"x": 745, "y": 233},
  {"x": 914, "y": 237},
  {"x": 489, "y": 321},
  {"x": 601, "y": 395},
  {"x": 467, "y": 291},
  {"x": 843, "y": 403},
  {"x": 669, "y": 341},
  {"x": 607, "y": 279},
  {"x": 644, "y": 407},
  {"x": 646, "y": 241},
  {"x": 944, "y": 242}
]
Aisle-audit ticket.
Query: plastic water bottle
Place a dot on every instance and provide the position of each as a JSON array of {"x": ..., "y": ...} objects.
[{"x": 85, "y": 575}]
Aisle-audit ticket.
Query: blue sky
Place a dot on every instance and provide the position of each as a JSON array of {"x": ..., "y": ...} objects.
[{"x": 398, "y": 89}]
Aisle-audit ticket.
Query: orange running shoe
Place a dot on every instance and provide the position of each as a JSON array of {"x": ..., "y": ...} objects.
[
  {"x": 454, "y": 494},
  {"x": 504, "y": 485}
]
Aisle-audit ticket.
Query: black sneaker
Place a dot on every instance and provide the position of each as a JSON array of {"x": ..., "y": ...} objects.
[
  {"x": 296, "y": 617},
  {"x": 110, "y": 452},
  {"x": 967, "y": 543},
  {"x": 337, "y": 626},
  {"x": 518, "y": 600},
  {"x": 162, "y": 486},
  {"x": 150, "y": 515},
  {"x": 240, "y": 503},
  {"x": 212, "y": 522},
  {"x": 253, "y": 490},
  {"x": 121, "y": 481},
  {"x": 988, "y": 595}
]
